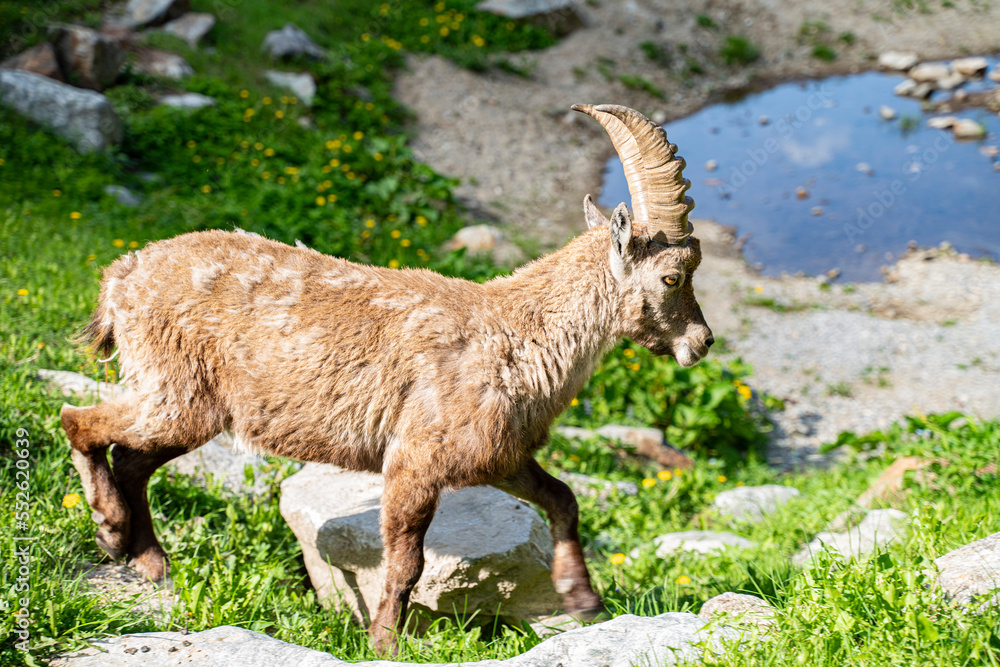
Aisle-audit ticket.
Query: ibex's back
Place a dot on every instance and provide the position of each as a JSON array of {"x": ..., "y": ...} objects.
[{"x": 435, "y": 382}]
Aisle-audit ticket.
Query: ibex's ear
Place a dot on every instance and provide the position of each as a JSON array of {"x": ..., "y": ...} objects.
[
  {"x": 621, "y": 230},
  {"x": 594, "y": 217}
]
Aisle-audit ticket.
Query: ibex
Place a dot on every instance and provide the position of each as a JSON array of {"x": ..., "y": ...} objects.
[{"x": 434, "y": 382}]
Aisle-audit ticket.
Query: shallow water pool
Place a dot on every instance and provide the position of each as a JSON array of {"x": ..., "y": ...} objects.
[{"x": 815, "y": 179}]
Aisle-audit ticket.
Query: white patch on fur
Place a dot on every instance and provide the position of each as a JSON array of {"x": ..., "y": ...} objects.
[
  {"x": 243, "y": 444},
  {"x": 397, "y": 301},
  {"x": 203, "y": 277},
  {"x": 344, "y": 279}
]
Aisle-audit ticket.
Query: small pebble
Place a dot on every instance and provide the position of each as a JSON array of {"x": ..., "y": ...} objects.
[
  {"x": 144, "y": 649},
  {"x": 989, "y": 151},
  {"x": 886, "y": 112},
  {"x": 816, "y": 210},
  {"x": 833, "y": 273},
  {"x": 172, "y": 649},
  {"x": 763, "y": 120},
  {"x": 864, "y": 168},
  {"x": 711, "y": 165},
  {"x": 132, "y": 651},
  {"x": 996, "y": 166},
  {"x": 861, "y": 247},
  {"x": 801, "y": 192},
  {"x": 185, "y": 643}
]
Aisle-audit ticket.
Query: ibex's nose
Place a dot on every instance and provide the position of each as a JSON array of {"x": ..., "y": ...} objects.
[{"x": 711, "y": 339}]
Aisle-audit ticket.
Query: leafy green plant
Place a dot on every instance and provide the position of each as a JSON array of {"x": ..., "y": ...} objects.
[
  {"x": 738, "y": 50},
  {"x": 640, "y": 83},
  {"x": 705, "y": 408}
]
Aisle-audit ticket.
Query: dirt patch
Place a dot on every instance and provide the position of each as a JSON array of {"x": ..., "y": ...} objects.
[{"x": 852, "y": 358}]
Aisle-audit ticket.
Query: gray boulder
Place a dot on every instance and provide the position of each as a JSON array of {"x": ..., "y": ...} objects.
[
  {"x": 302, "y": 85},
  {"x": 215, "y": 461},
  {"x": 83, "y": 117},
  {"x": 898, "y": 60},
  {"x": 622, "y": 642},
  {"x": 877, "y": 529},
  {"x": 291, "y": 42},
  {"x": 75, "y": 385},
  {"x": 739, "y": 609},
  {"x": 484, "y": 548},
  {"x": 699, "y": 541},
  {"x": 162, "y": 64},
  {"x": 87, "y": 58},
  {"x": 929, "y": 72},
  {"x": 188, "y": 101},
  {"x": 191, "y": 27},
  {"x": 753, "y": 503},
  {"x": 122, "y": 195},
  {"x": 154, "y": 12},
  {"x": 971, "y": 573}
]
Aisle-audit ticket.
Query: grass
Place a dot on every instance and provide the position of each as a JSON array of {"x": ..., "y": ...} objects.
[
  {"x": 351, "y": 187},
  {"x": 738, "y": 50}
]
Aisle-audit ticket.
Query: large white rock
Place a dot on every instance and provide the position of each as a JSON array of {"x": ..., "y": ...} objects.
[
  {"x": 83, "y": 117},
  {"x": 622, "y": 642},
  {"x": 929, "y": 72},
  {"x": 594, "y": 487},
  {"x": 154, "y": 12},
  {"x": 971, "y": 573},
  {"x": 88, "y": 58},
  {"x": 291, "y": 42},
  {"x": 877, "y": 529},
  {"x": 301, "y": 84},
  {"x": 968, "y": 128},
  {"x": 699, "y": 541},
  {"x": 188, "y": 101},
  {"x": 162, "y": 64},
  {"x": 483, "y": 550},
  {"x": 486, "y": 239},
  {"x": 739, "y": 609},
  {"x": 971, "y": 66},
  {"x": 898, "y": 60},
  {"x": 753, "y": 503},
  {"x": 191, "y": 27}
]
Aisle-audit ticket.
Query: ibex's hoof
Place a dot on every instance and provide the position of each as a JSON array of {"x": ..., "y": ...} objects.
[
  {"x": 151, "y": 564},
  {"x": 108, "y": 546},
  {"x": 585, "y": 606}
]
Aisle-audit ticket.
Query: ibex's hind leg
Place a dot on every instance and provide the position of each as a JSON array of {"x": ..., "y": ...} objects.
[
  {"x": 569, "y": 571},
  {"x": 132, "y": 469},
  {"x": 91, "y": 430}
]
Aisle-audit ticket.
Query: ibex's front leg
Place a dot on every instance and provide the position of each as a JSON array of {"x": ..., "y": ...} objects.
[
  {"x": 408, "y": 505},
  {"x": 569, "y": 571}
]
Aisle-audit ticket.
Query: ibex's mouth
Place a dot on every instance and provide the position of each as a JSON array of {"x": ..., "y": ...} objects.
[{"x": 686, "y": 356}]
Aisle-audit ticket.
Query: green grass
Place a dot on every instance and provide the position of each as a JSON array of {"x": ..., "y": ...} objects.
[
  {"x": 738, "y": 50},
  {"x": 234, "y": 560}
]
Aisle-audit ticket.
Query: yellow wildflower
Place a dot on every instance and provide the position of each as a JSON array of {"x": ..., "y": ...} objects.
[
  {"x": 359, "y": 135},
  {"x": 22, "y": 292},
  {"x": 444, "y": 31},
  {"x": 683, "y": 580},
  {"x": 196, "y": 159},
  {"x": 424, "y": 21},
  {"x": 395, "y": 233},
  {"x": 378, "y": 157},
  {"x": 269, "y": 152},
  {"x": 618, "y": 559},
  {"x": 206, "y": 189},
  {"x": 405, "y": 243},
  {"x": 133, "y": 244},
  {"x": 574, "y": 402},
  {"x": 70, "y": 500},
  {"x": 393, "y": 264},
  {"x": 91, "y": 257},
  {"x": 266, "y": 174},
  {"x": 291, "y": 171},
  {"x": 424, "y": 39},
  {"x": 664, "y": 475},
  {"x": 280, "y": 180},
  {"x": 266, "y": 100},
  {"x": 366, "y": 234},
  {"x": 258, "y": 146},
  {"x": 421, "y": 220},
  {"x": 254, "y": 162},
  {"x": 56, "y": 193},
  {"x": 744, "y": 391},
  {"x": 244, "y": 93},
  {"x": 279, "y": 114},
  {"x": 759, "y": 289},
  {"x": 739, "y": 483},
  {"x": 75, "y": 215},
  {"x": 118, "y": 243},
  {"x": 722, "y": 479},
  {"x": 649, "y": 482},
  {"x": 321, "y": 201},
  {"x": 192, "y": 144},
  {"x": 478, "y": 41},
  {"x": 628, "y": 352},
  {"x": 369, "y": 223}
]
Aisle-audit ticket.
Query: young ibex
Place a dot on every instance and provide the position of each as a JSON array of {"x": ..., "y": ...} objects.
[{"x": 434, "y": 382}]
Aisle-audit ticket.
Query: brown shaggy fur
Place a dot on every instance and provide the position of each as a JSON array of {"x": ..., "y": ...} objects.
[{"x": 434, "y": 382}]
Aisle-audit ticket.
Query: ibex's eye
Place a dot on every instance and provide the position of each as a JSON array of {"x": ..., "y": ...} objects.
[{"x": 670, "y": 280}]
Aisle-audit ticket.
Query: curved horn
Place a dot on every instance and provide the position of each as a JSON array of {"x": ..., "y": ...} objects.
[{"x": 653, "y": 171}]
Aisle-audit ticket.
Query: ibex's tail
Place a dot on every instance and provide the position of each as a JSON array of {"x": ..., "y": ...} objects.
[{"x": 99, "y": 333}]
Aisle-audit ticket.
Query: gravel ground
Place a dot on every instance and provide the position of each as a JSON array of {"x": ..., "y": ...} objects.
[{"x": 841, "y": 359}]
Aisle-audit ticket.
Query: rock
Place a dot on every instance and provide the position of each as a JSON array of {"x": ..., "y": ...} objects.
[
  {"x": 122, "y": 195},
  {"x": 711, "y": 165},
  {"x": 738, "y": 608},
  {"x": 910, "y": 88},
  {"x": 699, "y": 541},
  {"x": 87, "y": 58},
  {"x": 303, "y": 86},
  {"x": 877, "y": 529},
  {"x": 187, "y": 101},
  {"x": 833, "y": 273},
  {"x": 162, "y": 64},
  {"x": 593, "y": 487},
  {"x": 971, "y": 66},
  {"x": 154, "y": 12},
  {"x": 551, "y": 625},
  {"x": 950, "y": 82},
  {"x": 816, "y": 210},
  {"x": 966, "y": 128},
  {"x": 214, "y": 462},
  {"x": 484, "y": 548},
  {"x": 486, "y": 239},
  {"x": 995, "y": 74},
  {"x": 291, "y": 42},
  {"x": 886, "y": 112},
  {"x": 864, "y": 168},
  {"x": 801, "y": 193},
  {"x": 83, "y": 117},
  {"x": 941, "y": 122},
  {"x": 560, "y": 16},
  {"x": 40, "y": 59},
  {"x": 621, "y": 642},
  {"x": 753, "y": 503},
  {"x": 898, "y": 60},
  {"x": 763, "y": 120},
  {"x": 970, "y": 573},
  {"x": 191, "y": 27},
  {"x": 627, "y": 640},
  {"x": 928, "y": 72}
]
